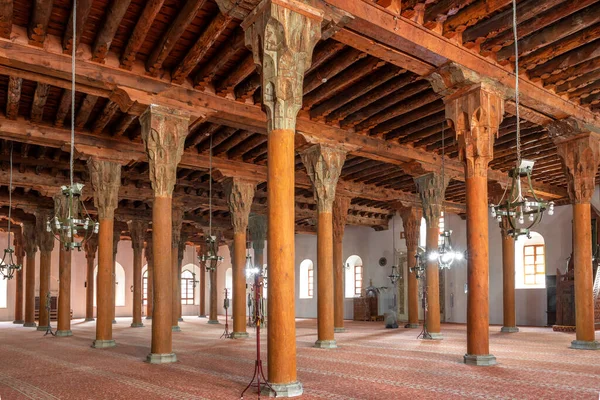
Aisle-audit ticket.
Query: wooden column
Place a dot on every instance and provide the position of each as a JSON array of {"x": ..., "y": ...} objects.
[
  {"x": 213, "y": 295},
  {"x": 240, "y": 193},
  {"x": 19, "y": 258},
  {"x": 324, "y": 165},
  {"x": 30, "y": 245},
  {"x": 163, "y": 132},
  {"x": 341, "y": 204},
  {"x": 476, "y": 114},
  {"x": 202, "y": 266},
  {"x": 579, "y": 149},
  {"x": 63, "y": 329},
  {"x": 432, "y": 189},
  {"x": 91, "y": 247},
  {"x": 282, "y": 36},
  {"x": 105, "y": 177},
  {"x": 150, "y": 281},
  {"x": 46, "y": 245},
  {"x": 508, "y": 280},
  {"x": 113, "y": 298},
  {"x": 411, "y": 221},
  {"x": 181, "y": 253},
  {"x": 137, "y": 230},
  {"x": 176, "y": 282}
]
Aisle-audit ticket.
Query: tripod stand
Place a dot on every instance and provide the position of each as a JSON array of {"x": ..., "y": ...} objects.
[
  {"x": 424, "y": 332},
  {"x": 49, "y": 327},
  {"x": 226, "y": 334}
]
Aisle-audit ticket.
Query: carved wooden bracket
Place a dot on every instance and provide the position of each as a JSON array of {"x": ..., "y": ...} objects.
[
  {"x": 323, "y": 166},
  {"x": 164, "y": 131},
  {"x": 45, "y": 239},
  {"x": 91, "y": 247},
  {"x": 105, "y": 177},
  {"x": 411, "y": 221},
  {"x": 432, "y": 190},
  {"x": 239, "y": 193},
  {"x": 137, "y": 230},
  {"x": 579, "y": 149},
  {"x": 282, "y": 35},
  {"x": 29, "y": 238},
  {"x": 341, "y": 205}
]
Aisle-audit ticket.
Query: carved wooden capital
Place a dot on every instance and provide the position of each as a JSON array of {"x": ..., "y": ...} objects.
[
  {"x": 341, "y": 204},
  {"x": 176, "y": 222},
  {"x": 432, "y": 190},
  {"x": 411, "y": 221},
  {"x": 45, "y": 239},
  {"x": 116, "y": 239},
  {"x": 137, "y": 230},
  {"x": 163, "y": 132},
  {"x": 148, "y": 250},
  {"x": 91, "y": 247},
  {"x": 579, "y": 150},
  {"x": 323, "y": 165},
  {"x": 106, "y": 181},
  {"x": 29, "y": 238},
  {"x": 239, "y": 193},
  {"x": 181, "y": 247},
  {"x": 282, "y": 35},
  {"x": 258, "y": 232},
  {"x": 476, "y": 114}
]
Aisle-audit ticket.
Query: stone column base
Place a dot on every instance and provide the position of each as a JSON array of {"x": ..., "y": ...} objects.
[
  {"x": 89, "y": 320},
  {"x": 325, "y": 344},
  {"x": 509, "y": 329},
  {"x": 153, "y": 358},
  {"x": 436, "y": 336},
  {"x": 176, "y": 329},
  {"x": 411, "y": 326},
  {"x": 180, "y": 319},
  {"x": 64, "y": 333},
  {"x": 114, "y": 321},
  {"x": 201, "y": 316},
  {"x": 485, "y": 360},
  {"x": 18, "y": 321},
  {"x": 42, "y": 328},
  {"x": 239, "y": 335},
  {"x": 213, "y": 321},
  {"x": 149, "y": 317},
  {"x": 585, "y": 345},
  {"x": 103, "y": 344},
  {"x": 29, "y": 324},
  {"x": 137, "y": 325},
  {"x": 339, "y": 330},
  {"x": 293, "y": 389}
]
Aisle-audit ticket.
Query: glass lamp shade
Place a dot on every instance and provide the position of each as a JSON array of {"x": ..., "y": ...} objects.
[
  {"x": 8, "y": 266},
  {"x": 446, "y": 255},
  {"x": 394, "y": 276}
]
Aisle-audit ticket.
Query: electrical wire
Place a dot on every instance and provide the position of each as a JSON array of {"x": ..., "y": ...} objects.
[
  {"x": 514, "y": 12},
  {"x": 73, "y": 48},
  {"x": 10, "y": 191}
]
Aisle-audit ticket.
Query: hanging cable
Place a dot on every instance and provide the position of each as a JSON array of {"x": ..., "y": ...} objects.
[
  {"x": 10, "y": 179},
  {"x": 514, "y": 4},
  {"x": 73, "y": 48},
  {"x": 210, "y": 188}
]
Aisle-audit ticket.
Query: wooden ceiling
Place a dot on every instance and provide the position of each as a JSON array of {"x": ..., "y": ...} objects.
[{"x": 191, "y": 45}]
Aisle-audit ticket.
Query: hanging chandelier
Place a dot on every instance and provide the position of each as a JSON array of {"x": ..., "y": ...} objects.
[
  {"x": 8, "y": 266},
  {"x": 395, "y": 275},
  {"x": 251, "y": 269},
  {"x": 520, "y": 203},
  {"x": 71, "y": 219}
]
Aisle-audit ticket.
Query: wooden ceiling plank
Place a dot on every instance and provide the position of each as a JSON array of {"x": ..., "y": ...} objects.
[
  {"x": 109, "y": 28},
  {"x": 202, "y": 133},
  {"x": 567, "y": 60},
  {"x": 319, "y": 76},
  {"x": 584, "y": 91},
  {"x": 13, "y": 97},
  {"x": 85, "y": 110},
  {"x": 195, "y": 54},
  {"x": 140, "y": 31},
  {"x": 323, "y": 53},
  {"x": 64, "y": 106},
  {"x": 217, "y": 138},
  {"x": 572, "y": 73},
  {"x": 444, "y": 8},
  {"x": 107, "y": 113},
  {"x": 83, "y": 11},
  {"x": 246, "y": 89},
  {"x": 231, "y": 142},
  {"x": 472, "y": 14},
  {"x": 209, "y": 69},
  {"x": 238, "y": 151},
  {"x": 39, "y": 101},
  {"x": 239, "y": 73},
  {"x": 580, "y": 82},
  {"x": 403, "y": 133},
  {"x": 38, "y": 24},
  {"x": 6, "y": 18},
  {"x": 123, "y": 124}
]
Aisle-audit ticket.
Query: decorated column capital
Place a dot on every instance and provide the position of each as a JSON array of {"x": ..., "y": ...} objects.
[
  {"x": 19, "y": 244},
  {"x": 411, "y": 222},
  {"x": 45, "y": 239},
  {"x": 282, "y": 35},
  {"x": 29, "y": 238},
  {"x": 177, "y": 223},
  {"x": 137, "y": 230},
  {"x": 239, "y": 193},
  {"x": 258, "y": 232},
  {"x": 341, "y": 205},
  {"x": 432, "y": 190},
  {"x": 148, "y": 250},
  {"x": 105, "y": 177},
  {"x": 181, "y": 247},
  {"x": 164, "y": 131},
  {"x": 323, "y": 166},
  {"x": 116, "y": 239},
  {"x": 578, "y": 146},
  {"x": 91, "y": 247},
  {"x": 476, "y": 113}
]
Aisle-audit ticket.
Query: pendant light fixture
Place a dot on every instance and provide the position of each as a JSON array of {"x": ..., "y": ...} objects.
[
  {"x": 251, "y": 269},
  {"x": 520, "y": 203},
  {"x": 8, "y": 266},
  {"x": 395, "y": 275},
  {"x": 71, "y": 218},
  {"x": 211, "y": 257}
]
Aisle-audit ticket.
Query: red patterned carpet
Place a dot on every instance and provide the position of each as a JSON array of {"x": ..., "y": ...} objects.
[{"x": 371, "y": 363}]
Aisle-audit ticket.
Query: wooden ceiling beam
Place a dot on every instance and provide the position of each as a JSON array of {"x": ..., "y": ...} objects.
[
  {"x": 404, "y": 133},
  {"x": 83, "y": 11},
  {"x": 13, "y": 97},
  {"x": 235, "y": 77},
  {"x": 443, "y": 8},
  {"x": 139, "y": 33},
  {"x": 39, "y": 101},
  {"x": 109, "y": 28},
  {"x": 248, "y": 87},
  {"x": 339, "y": 63},
  {"x": 237, "y": 152},
  {"x": 472, "y": 14},
  {"x": 64, "y": 106},
  {"x": 574, "y": 85},
  {"x": 85, "y": 110},
  {"x": 105, "y": 116},
  {"x": 206, "y": 74},
  {"x": 6, "y": 18},
  {"x": 123, "y": 124},
  {"x": 572, "y": 73},
  {"x": 38, "y": 24}
]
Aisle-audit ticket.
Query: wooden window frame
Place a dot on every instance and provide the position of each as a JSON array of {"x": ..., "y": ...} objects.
[
  {"x": 145, "y": 288},
  {"x": 185, "y": 282},
  {"x": 358, "y": 282},
  {"x": 310, "y": 281},
  {"x": 536, "y": 272}
]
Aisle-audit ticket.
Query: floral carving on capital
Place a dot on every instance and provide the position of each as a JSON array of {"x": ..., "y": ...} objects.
[
  {"x": 432, "y": 191},
  {"x": 105, "y": 177},
  {"x": 239, "y": 194},
  {"x": 323, "y": 166},
  {"x": 411, "y": 222}
]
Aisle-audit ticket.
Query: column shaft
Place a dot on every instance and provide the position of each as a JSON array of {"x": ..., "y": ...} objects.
[
  {"x": 413, "y": 285},
  {"x": 338, "y": 284},
  {"x": 582, "y": 260},
  {"x": 239, "y": 284},
  {"x": 89, "y": 290},
  {"x": 212, "y": 318},
  {"x": 176, "y": 289},
  {"x": 64, "y": 293},
  {"x": 508, "y": 284},
  {"x": 19, "y": 287},
  {"x": 45, "y": 266},
  {"x": 104, "y": 285},
  {"x": 30, "y": 290},
  {"x": 325, "y": 280},
  {"x": 433, "y": 280},
  {"x": 202, "y": 280},
  {"x": 137, "y": 287}
]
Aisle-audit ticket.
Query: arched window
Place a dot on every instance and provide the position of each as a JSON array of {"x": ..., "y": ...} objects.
[
  {"x": 145, "y": 287},
  {"x": 119, "y": 285},
  {"x": 423, "y": 231},
  {"x": 188, "y": 287},
  {"x": 229, "y": 282},
  {"x": 3, "y": 292},
  {"x": 530, "y": 262},
  {"x": 307, "y": 275},
  {"x": 354, "y": 276}
]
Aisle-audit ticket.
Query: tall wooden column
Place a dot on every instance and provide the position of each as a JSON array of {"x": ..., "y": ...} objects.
[
  {"x": 282, "y": 36},
  {"x": 64, "y": 275},
  {"x": 411, "y": 221},
  {"x": 150, "y": 278},
  {"x": 176, "y": 282},
  {"x": 113, "y": 298},
  {"x": 240, "y": 193},
  {"x": 46, "y": 245},
  {"x": 181, "y": 254},
  {"x": 137, "y": 229},
  {"x": 202, "y": 267},
  {"x": 341, "y": 204},
  {"x": 19, "y": 255},
  {"x": 163, "y": 132},
  {"x": 508, "y": 280},
  {"x": 432, "y": 189},
  {"x": 324, "y": 165},
  {"x": 476, "y": 114},
  {"x": 579, "y": 149},
  {"x": 213, "y": 295},
  {"x": 91, "y": 247},
  {"x": 30, "y": 245},
  {"x": 106, "y": 180}
]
